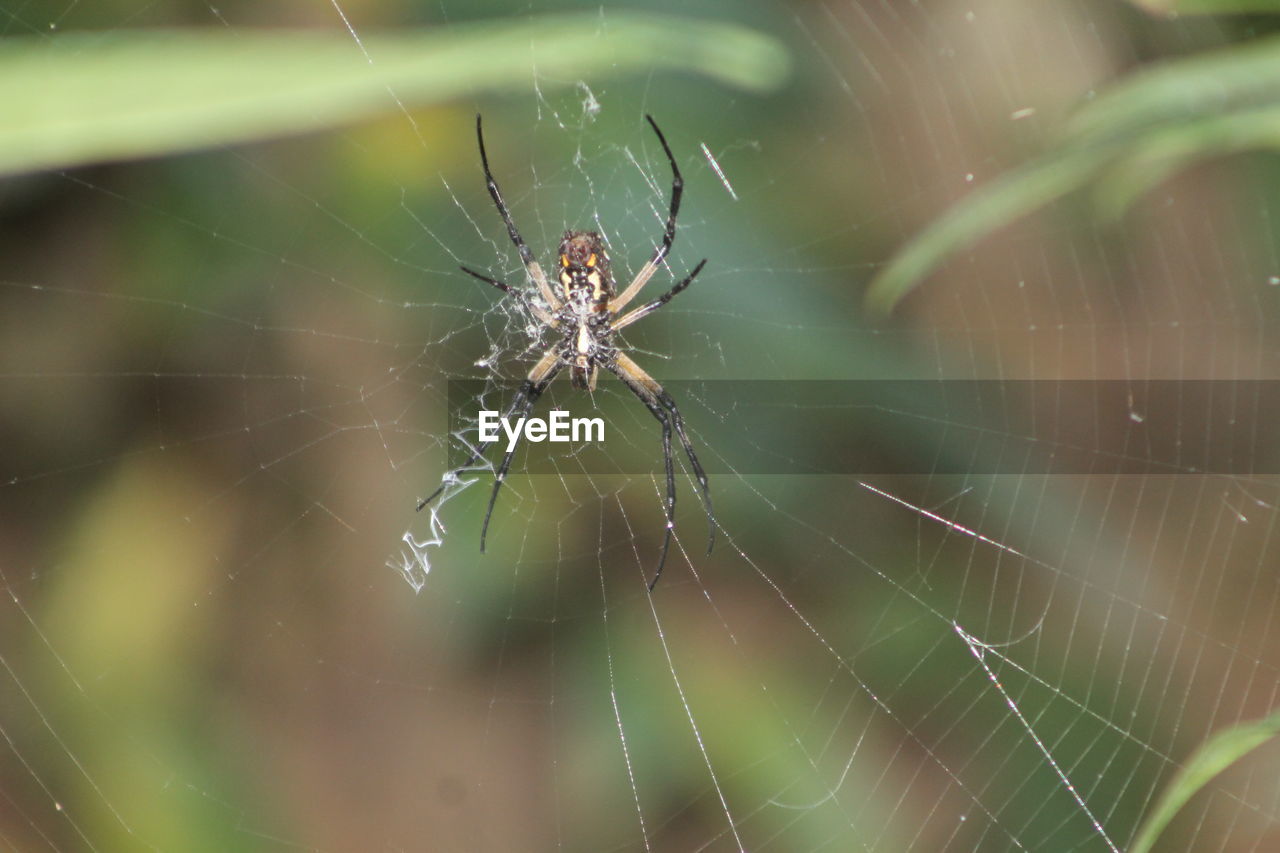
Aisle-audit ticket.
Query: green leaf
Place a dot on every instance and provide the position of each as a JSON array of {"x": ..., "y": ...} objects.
[
  {"x": 1163, "y": 152},
  {"x": 79, "y": 98},
  {"x": 1173, "y": 8},
  {"x": 1127, "y": 139},
  {"x": 1214, "y": 756},
  {"x": 989, "y": 207},
  {"x": 1237, "y": 79}
]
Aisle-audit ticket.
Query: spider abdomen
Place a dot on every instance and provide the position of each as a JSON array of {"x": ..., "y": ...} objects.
[{"x": 585, "y": 348}]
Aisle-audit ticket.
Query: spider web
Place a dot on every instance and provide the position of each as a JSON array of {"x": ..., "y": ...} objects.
[{"x": 227, "y": 381}]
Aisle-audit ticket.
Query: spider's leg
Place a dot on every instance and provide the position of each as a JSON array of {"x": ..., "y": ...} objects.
[
  {"x": 650, "y": 386},
  {"x": 536, "y": 310},
  {"x": 660, "y": 413},
  {"x": 668, "y": 236},
  {"x": 528, "y": 394},
  {"x": 501, "y": 285},
  {"x": 665, "y": 399},
  {"x": 664, "y": 409},
  {"x": 480, "y": 450},
  {"x": 677, "y": 189},
  {"x": 526, "y": 256},
  {"x": 539, "y": 378},
  {"x": 545, "y": 368},
  {"x": 644, "y": 310},
  {"x": 671, "y": 495}
]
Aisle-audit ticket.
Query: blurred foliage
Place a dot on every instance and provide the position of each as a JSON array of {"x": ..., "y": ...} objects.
[
  {"x": 1207, "y": 7},
  {"x": 225, "y": 366},
  {"x": 1134, "y": 134},
  {"x": 1211, "y": 758},
  {"x": 119, "y": 94}
]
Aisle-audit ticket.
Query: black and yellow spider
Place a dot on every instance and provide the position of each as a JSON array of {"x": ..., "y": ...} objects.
[{"x": 585, "y": 313}]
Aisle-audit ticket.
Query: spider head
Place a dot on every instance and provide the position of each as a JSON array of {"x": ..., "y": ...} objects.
[{"x": 584, "y": 269}]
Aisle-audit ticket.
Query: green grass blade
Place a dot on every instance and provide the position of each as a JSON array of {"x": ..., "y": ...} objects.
[
  {"x": 79, "y": 98},
  {"x": 1159, "y": 154},
  {"x": 988, "y": 208},
  {"x": 1135, "y": 134},
  {"x": 1214, "y": 756},
  {"x": 1240, "y": 78},
  {"x": 1207, "y": 7}
]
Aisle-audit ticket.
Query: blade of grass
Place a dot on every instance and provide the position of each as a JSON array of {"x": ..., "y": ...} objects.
[
  {"x": 988, "y": 208},
  {"x": 1213, "y": 756},
  {"x": 1145, "y": 127},
  {"x": 1207, "y": 7},
  {"x": 79, "y": 98},
  {"x": 1159, "y": 154},
  {"x": 1239, "y": 78}
]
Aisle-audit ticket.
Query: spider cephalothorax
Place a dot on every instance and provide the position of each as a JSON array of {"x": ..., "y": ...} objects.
[
  {"x": 585, "y": 313},
  {"x": 584, "y": 270}
]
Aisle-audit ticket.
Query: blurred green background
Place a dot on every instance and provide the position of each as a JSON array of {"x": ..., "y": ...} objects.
[{"x": 224, "y": 382}]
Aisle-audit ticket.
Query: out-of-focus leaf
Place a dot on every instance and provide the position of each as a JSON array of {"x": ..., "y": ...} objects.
[
  {"x": 988, "y": 208},
  {"x": 1234, "y": 80},
  {"x": 1207, "y": 7},
  {"x": 1165, "y": 152},
  {"x": 77, "y": 98},
  {"x": 1128, "y": 139},
  {"x": 1214, "y": 756}
]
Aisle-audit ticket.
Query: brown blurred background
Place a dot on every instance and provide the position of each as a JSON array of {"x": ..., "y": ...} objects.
[{"x": 224, "y": 381}]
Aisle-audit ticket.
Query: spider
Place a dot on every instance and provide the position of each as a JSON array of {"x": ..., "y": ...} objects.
[{"x": 585, "y": 313}]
